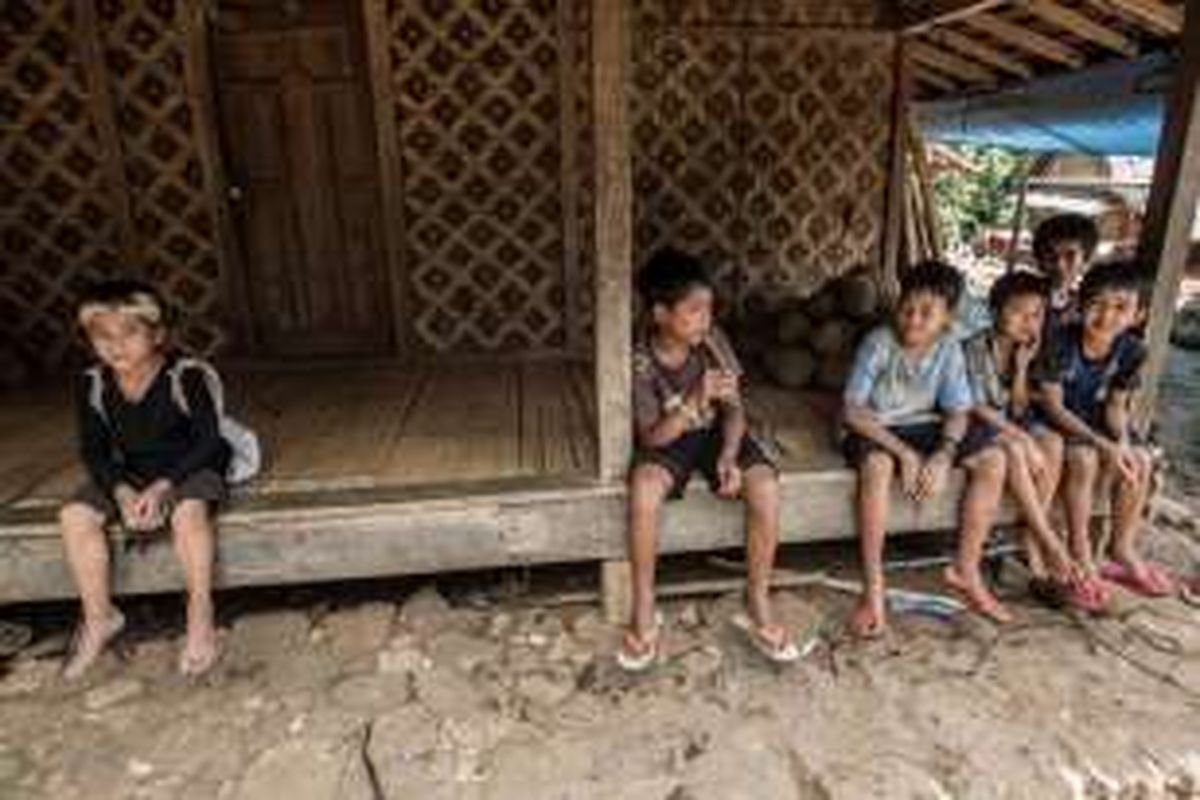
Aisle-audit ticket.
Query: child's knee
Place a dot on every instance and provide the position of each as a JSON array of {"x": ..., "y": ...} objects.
[
  {"x": 648, "y": 487},
  {"x": 1082, "y": 461},
  {"x": 1051, "y": 444},
  {"x": 990, "y": 464},
  {"x": 877, "y": 465},
  {"x": 190, "y": 515},
  {"x": 77, "y": 516},
  {"x": 762, "y": 488}
]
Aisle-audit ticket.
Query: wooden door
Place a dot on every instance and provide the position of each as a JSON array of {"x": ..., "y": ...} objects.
[{"x": 296, "y": 131}]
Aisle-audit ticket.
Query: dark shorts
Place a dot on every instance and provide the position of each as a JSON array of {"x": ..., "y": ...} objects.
[
  {"x": 206, "y": 485},
  {"x": 924, "y": 437},
  {"x": 698, "y": 451}
]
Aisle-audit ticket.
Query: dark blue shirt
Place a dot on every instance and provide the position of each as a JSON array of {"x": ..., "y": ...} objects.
[{"x": 1087, "y": 383}]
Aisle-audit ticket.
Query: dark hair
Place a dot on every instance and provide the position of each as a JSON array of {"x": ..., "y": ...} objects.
[
  {"x": 1017, "y": 284},
  {"x": 1121, "y": 276},
  {"x": 936, "y": 277},
  {"x": 1064, "y": 228},
  {"x": 669, "y": 275}
]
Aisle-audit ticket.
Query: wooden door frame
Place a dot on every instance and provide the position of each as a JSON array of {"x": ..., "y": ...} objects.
[
  {"x": 237, "y": 317},
  {"x": 377, "y": 43}
]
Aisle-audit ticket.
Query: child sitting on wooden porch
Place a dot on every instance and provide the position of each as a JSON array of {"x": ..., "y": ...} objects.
[
  {"x": 1063, "y": 248},
  {"x": 1093, "y": 371},
  {"x": 689, "y": 418},
  {"x": 150, "y": 439},
  {"x": 907, "y": 410},
  {"x": 1002, "y": 365}
]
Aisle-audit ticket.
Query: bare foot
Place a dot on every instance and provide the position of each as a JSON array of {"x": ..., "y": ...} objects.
[
  {"x": 199, "y": 651},
  {"x": 977, "y": 595},
  {"x": 90, "y": 641},
  {"x": 870, "y": 619}
]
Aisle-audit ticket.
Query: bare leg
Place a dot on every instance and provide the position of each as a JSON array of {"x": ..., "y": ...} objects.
[
  {"x": 874, "y": 484},
  {"x": 1082, "y": 468},
  {"x": 87, "y": 555},
  {"x": 761, "y": 491},
  {"x": 195, "y": 543},
  {"x": 648, "y": 488},
  {"x": 1129, "y": 505},
  {"x": 985, "y": 485},
  {"x": 1042, "y": 542}
]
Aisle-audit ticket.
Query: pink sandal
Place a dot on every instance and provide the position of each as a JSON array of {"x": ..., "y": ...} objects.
[{"x": 1148, "y": 580}]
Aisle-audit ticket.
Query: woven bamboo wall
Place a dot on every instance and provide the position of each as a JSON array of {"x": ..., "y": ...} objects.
[
  {"x": 761, "y": 141},
  {"x": 488, "y": 103},
  {"x": 101, "y": 166}
]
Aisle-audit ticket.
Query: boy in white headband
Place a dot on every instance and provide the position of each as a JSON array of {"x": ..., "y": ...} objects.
[{"x": 155, "y": 461}]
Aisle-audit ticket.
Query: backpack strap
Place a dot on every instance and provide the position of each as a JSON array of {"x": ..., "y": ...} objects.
[
  {"x": 212, "y": 381},
  {"x": 95, "y": 379}
]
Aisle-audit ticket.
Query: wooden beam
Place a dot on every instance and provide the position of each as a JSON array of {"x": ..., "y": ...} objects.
[
  {"x": 893, "y": 224},
  {"x": 1167, "y": 19},
  {"x": 103, "y": 110},
  {"x": 979, "y": 51},
  {"x": 953, "y": 15},
  {"x": 950, "y": 64},
  {"x": 925, "y": 185},
  {"x": 390, "y": 164},
  {"x": 376, "y": 534},
  {"x": 1171, "y": 208},
  {"x": 934, "y": 79},
  {"x": 614, "y": 240},
  {"x": 1082, "y": 26},
  {"x": 570, "y": 40},
  {"x": 1025, "y": 39}
]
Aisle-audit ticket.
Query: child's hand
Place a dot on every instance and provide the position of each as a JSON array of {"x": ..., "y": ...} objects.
[
  {"x": 910, "y": 474},
  {"x": 720, "y": 386},
  {"x": 1125, "y": 462},
  {"x": 149, "y": 506},
  {"x": 1025, "y": 354},
  {"x": 126, "y": 498},
  {"x": 932, "y": 479},
  {"x": 729, "y": 477}
]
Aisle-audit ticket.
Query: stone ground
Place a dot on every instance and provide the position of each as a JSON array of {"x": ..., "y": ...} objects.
[
  {"x": 485, "y": 687},
  {"x": 483, "y": 697}
]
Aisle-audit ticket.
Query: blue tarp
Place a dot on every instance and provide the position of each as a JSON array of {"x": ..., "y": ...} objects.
[{"x": 1111, "y": 109}]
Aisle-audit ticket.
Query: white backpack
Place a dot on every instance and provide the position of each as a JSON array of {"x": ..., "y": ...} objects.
[{"x": 245, "y": 450}]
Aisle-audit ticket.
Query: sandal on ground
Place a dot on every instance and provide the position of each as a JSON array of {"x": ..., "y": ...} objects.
[
  {"x": 639, "y": 653},
  {"x": 772, "y": 641},
  {"x": 1150, "y": 580},
  {"x": 75, "y": 666}
]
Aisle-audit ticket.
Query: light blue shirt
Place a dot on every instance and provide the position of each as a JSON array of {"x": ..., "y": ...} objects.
[{"x": 901, "y": 391}]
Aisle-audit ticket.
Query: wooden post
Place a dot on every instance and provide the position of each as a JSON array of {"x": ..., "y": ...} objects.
[
  {"x": 103, "y": 109},
  {"x": 614, "y": 240},
  {"x": 925, "y": 183},
  {"x": 391, "y": 167},
  {"x": 1171, "y": 209},
  {"x": 614, "y": 267},
  {"x": 893, "y": 226}
]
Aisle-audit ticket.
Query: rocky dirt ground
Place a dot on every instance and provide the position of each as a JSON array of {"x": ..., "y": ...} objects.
[{"x": 420, "y": 697}]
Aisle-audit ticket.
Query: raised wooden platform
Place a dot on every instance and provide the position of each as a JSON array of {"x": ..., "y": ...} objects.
[{"x": 381, "y": 471}]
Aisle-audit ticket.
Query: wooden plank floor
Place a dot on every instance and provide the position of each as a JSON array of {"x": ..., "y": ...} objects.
[
  {"x": 376, "y": 427},
  {"x": 351, "y": 428}
]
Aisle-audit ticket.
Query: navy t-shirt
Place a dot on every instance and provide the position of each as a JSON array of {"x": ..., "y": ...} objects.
[{"x": 1088, "y": 383}]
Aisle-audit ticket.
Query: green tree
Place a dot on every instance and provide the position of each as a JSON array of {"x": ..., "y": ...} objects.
[{"x": 985, "y": 196}]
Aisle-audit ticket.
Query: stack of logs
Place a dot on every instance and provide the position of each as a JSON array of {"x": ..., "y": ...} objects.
[{"x": 809, "y": 343}]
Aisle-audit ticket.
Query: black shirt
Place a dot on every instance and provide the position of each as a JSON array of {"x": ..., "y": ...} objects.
[{"x": 151, "y": 438}]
